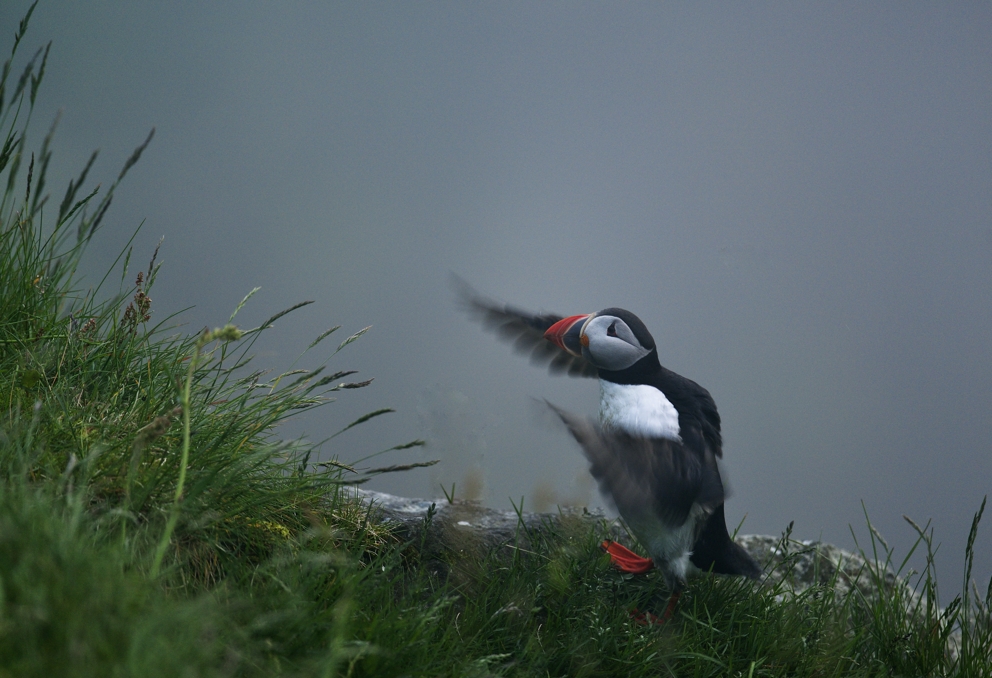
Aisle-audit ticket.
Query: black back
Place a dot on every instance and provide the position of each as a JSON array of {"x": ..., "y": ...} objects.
[{"x": 699, "y": 421}]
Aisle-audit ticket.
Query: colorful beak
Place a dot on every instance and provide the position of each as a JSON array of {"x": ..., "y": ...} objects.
[{"x": 565, "y": 334}]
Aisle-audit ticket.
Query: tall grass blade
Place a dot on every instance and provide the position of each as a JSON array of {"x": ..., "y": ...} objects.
[
  {"x": 268, "y": 323},
  {"x": 353, "y": 337}
]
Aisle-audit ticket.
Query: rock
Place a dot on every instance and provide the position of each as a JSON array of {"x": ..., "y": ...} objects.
[
  {"x": 809, "y": 563},
  {"x": 802, "y": 564},
  {"x": 465, "y": 525},
  {"x": 491, "y": 525}
]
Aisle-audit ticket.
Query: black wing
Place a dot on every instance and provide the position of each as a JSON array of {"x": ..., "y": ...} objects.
[
  {"x": 525, "y": 330},
  {"x": 648, "y": 474},
  {"x": 698, "y": 416}
]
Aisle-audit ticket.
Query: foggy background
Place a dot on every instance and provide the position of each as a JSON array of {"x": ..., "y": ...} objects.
[{"x": 795, "y": 198}]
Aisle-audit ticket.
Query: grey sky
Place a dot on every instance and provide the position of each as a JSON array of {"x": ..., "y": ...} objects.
[{"x": 794, "y": 197}]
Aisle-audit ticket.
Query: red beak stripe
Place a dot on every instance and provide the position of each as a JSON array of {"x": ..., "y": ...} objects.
[{"x": 556, "y": 332}]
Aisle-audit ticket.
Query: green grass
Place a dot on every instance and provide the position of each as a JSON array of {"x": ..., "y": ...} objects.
[{"x": 152, "y": 522}]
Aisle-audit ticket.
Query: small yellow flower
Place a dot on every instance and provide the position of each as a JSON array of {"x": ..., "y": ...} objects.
[{"x": 276, "y": 528}]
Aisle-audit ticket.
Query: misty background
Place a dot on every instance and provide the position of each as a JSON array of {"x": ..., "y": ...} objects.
[{"x": 795, "y": 198}]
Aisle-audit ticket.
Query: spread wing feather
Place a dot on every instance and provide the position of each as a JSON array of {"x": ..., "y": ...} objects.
[
  {"x": 641, "y": 475},
  {"x": 525, "y": 330}
]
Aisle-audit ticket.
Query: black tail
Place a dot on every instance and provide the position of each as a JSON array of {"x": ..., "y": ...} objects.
[{"x": 715, "y": 550}]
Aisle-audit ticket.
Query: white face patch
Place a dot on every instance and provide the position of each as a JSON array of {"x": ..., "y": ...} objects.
[
  {"x": 637, "y": 409},
  {"x": 609, "y": 343}
]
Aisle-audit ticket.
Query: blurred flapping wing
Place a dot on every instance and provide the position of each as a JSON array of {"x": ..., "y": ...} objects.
[
  {"x": 647, "y": 475},
  {"x": 524, "y": 330}
]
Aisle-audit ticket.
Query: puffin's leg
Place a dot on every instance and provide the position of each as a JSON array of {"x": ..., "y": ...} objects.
[
  {"x": 670, "y": 609},
  {"x": 645, "y": 618},
  {"x": 626, "y": 560}
]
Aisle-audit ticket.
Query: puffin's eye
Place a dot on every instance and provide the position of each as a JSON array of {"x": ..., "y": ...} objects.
[{"x": 611, "y": 331}]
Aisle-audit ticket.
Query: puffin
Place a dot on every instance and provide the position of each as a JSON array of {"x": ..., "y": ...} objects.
[{"x": 654, "y": 450}]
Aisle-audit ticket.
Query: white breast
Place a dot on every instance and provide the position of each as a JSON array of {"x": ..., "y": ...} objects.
[
  {"x": 638, "y": 409},
  {"x": 670, "y": 545}
]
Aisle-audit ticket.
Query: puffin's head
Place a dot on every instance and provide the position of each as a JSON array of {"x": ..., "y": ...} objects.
[{"x": 613, "y": 339}]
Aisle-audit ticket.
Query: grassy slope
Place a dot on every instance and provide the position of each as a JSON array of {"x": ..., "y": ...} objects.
[{"x": 253, "y": 564}]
